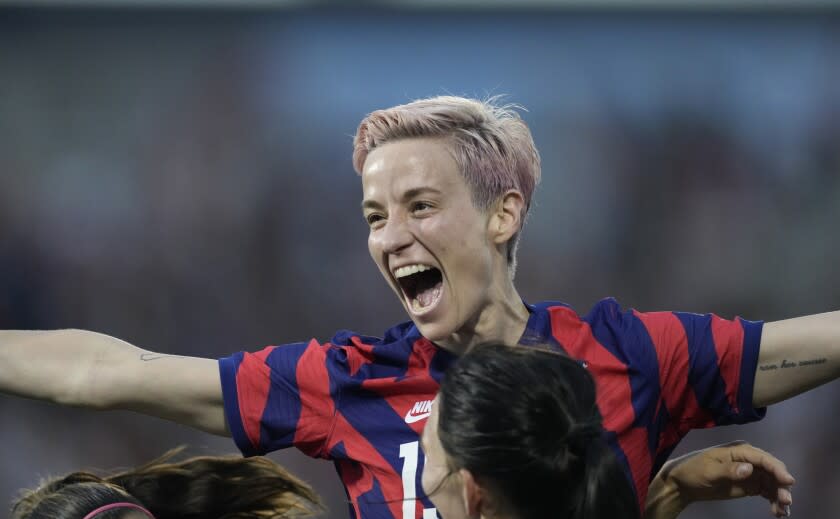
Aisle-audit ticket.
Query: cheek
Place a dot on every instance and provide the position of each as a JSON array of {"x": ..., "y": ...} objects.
[
  {"x": 375, "y": 251},
  {"x": 431, "y": 477},
  {"x": 449, "y": 241},
  {"x": 426, "y": 479}
]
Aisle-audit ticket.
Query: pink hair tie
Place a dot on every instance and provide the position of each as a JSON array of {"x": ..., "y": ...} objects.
[{"x": 117, "y": 505}]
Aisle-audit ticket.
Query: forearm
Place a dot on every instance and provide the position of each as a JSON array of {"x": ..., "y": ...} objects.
[
  {"x": 88, "y": 369},
  {"x": 58, "y": 365},
  {"x": 797, "y": 355}
]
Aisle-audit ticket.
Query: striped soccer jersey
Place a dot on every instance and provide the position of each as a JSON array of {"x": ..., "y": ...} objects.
[{"x": 362, "y": 401}]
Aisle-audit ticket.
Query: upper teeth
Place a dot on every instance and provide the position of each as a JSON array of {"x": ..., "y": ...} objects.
[{"x": 409, "y": 270}]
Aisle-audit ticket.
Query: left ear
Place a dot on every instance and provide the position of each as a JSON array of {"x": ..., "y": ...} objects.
[
  {"x": 472, "y": 494},
  {"x": 506, "y": 216}
]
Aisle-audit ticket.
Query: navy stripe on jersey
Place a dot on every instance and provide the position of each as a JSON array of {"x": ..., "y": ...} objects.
[
  {"x": 369, "y": 414},
  {"x": 661, "y": 422},
  {"x": 391, "y": 360},
  {"x": 610, "y": 325},
  {"x": 374, "y": 497},
  {"x": 440, "y": 363},
  {"x": 284, "y": 398},
  {"x": 228, "y": 367},
  {"x": 704, "y": 373}
]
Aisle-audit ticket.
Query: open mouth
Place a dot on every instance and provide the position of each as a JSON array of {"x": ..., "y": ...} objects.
[{"x": 422, "y": 286}]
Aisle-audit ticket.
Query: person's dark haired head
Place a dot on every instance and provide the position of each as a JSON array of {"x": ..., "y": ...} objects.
[
  {"x": 520, "y": 428},
  {"x": 203, "y": 487}
]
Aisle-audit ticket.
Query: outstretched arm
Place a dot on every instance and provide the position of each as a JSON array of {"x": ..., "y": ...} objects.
[
  {"x": 726, "y": 471},
  {"x": 88, "y": 369},
  {"x": 797, "y": 355}
]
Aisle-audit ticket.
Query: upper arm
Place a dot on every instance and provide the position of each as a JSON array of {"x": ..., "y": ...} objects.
[
  {"x": 797, "y": 355},
  {"x": 705, "y": 364},
  {"x": 282, "y": 396}
]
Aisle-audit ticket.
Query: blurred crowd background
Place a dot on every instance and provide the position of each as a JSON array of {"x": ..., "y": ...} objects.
[{"x": 181, "y": 179}]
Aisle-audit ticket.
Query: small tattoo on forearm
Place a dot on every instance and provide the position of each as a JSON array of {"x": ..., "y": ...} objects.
[
  {"x": 146, "y": 357},
  {"x": 787, "y": 364}
]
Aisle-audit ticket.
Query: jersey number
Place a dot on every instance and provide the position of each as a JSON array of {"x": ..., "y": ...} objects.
[{"x": 410, "y": 452}]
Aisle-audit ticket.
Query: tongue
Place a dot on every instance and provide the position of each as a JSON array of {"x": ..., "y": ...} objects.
[{"x": 427, "y": 296}]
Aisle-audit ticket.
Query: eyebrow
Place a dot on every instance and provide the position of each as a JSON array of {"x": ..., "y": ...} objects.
[
  {"x": 408, "y": 195},
  {"x": 370, "y": 204}
]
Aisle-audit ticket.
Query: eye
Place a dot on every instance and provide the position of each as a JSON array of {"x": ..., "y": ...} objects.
[
  {"x": 374, "y": 218},
  {"x": 420, "y": 207}
]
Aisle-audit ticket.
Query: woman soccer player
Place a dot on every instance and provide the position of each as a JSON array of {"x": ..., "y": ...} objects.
[
  {"x": 516, "y": 433},
  {"x": 206, "y": 487}
]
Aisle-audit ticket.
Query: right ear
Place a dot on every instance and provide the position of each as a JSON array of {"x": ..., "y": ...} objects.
[
  {"x": 506, "y": 216},
  {"x": 472, "y": 494}
]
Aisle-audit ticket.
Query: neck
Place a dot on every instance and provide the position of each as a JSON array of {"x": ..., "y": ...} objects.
[{"x": 503, "y": 319}]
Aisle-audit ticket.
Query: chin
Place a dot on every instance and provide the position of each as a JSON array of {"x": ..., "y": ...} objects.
[{"x": 435, "y": 331}]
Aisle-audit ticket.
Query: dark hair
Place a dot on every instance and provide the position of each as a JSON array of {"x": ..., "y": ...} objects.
[
  {"x": 204, "y": 487},
  {"x": 525, "y": 423}
]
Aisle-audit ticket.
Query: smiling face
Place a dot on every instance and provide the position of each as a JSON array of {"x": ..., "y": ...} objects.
[{"x": 432, "y": 245}]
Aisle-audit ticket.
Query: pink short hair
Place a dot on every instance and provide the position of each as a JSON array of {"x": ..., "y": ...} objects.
[{"x": 490, "y": 142}]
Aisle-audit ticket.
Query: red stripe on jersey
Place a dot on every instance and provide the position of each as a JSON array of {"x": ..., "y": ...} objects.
[
  {"x": 316, "y": 404},
  {"x": 411, "y": 396},
  {"x": 726, "y": 333},
  {"x": 352, "y": 474},
  {"x": 634, "y": 444},
  {"x": 359, "y": 356},
  {"x": 252, "y": 392},
  {"x": 668, "y": 336},
  {"x": 614, "y": 396},
  {"x": 422, "y": 353},
  {"x": 358, "y": 482}
]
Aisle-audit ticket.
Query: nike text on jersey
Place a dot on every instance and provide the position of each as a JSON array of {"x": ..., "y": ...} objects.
[{"x": 420, "y": 411}]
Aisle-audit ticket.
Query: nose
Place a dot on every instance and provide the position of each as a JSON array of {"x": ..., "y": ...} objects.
[{"x": 395, "y": 236}]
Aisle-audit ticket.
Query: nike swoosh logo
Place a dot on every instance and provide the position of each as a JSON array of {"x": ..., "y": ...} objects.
[{"x": 411, "y": 418}]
